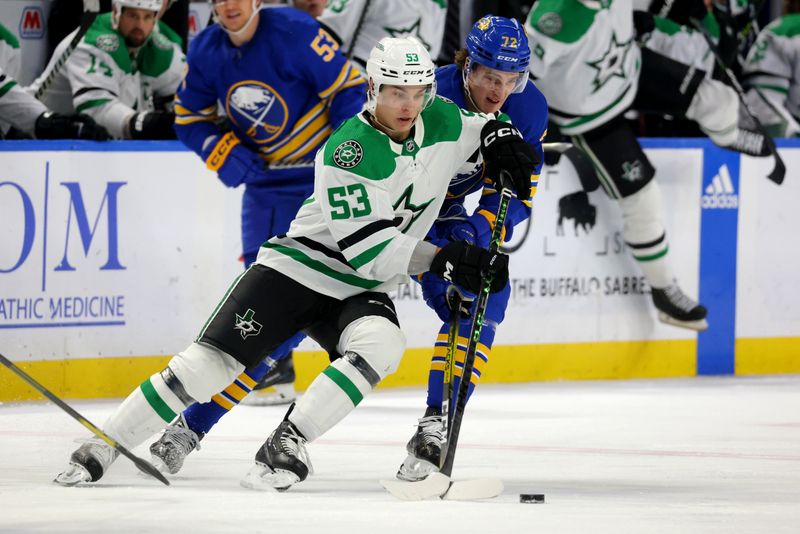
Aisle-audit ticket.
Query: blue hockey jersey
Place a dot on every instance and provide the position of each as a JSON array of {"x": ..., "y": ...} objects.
[
  {"x": 528, "y": 112},
  {"x": 283, "y": 92}
]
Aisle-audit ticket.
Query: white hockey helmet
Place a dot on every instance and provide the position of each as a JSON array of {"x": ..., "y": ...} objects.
[
  {"x": 399, "y": 61},
  {"x": 117, "y": 5}
]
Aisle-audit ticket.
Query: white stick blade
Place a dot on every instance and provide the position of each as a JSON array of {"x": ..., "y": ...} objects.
[
  {"x": 435, "y": 485},
  {"x": 472, "y": 490}
]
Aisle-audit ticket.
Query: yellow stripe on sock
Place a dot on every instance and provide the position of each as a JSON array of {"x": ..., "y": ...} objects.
[
  {"x": 245, "y": 379},
  {"x": 222, "y": 401},
  {"x": 236, "y": 392}
]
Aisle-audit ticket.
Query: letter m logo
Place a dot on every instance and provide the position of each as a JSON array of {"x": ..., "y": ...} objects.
[
  {"x": 31, "y": 23},
  {"x": 86, "y": 233}
]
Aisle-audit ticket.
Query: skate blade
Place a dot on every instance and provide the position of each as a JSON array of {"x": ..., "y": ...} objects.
[
  {"x": 434, "y": 486},
  {"x": 261, "y": 477},
  {"x": 413, "y": 469},
  {"x": 75, "y": 474},
  {"x": 473, "y": 490},
  {"x": 159, "y": 464},
  {"x": 699, "y": 326}
]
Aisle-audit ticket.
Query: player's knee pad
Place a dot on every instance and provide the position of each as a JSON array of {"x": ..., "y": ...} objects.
[
  {"x": 715, "y": 107},
  {"x": 204, "y": 370},
  {"x": 377, "y": 341},
  {"x": 642, "y": 215}
]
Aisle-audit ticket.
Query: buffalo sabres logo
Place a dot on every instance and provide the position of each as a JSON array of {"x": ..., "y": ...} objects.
[
  {"x": 348, "y": 154},
  {"x": 484, "y": 24},
  {"x": 247, "y": 325},
  {"x": 257, "y": 109}
]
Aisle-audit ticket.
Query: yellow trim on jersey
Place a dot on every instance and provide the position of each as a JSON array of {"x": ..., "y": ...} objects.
[
  {"x": 300, "y": 124},
  {"x": 184, "y": 120},
  {"x": 299, "y": 137},
  {"x": 491, "y": 218},
  {"x": 311, "y": 144},
  {"x": 346, "y": 74}
]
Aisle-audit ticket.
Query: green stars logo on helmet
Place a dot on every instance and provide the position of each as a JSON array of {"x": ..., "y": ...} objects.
[{"x": 348, "y": 154}]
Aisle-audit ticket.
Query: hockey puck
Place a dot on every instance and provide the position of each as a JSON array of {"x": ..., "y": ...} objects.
[{"x": 534, "y": 498}]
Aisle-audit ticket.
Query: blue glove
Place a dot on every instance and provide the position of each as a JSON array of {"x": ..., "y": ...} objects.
[
  {"x": 434, "y": 291},
  {"x": 475, "y": 230},
  {"x": 234, "y": 163}
]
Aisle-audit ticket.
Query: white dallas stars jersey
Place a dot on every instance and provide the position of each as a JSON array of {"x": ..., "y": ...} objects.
[
  {"x": 584, "y": 59},
  {"x": 773, "y": 66},
  {"x": 102, "y": 80},
  {"x": 374, "y": 201},
  {"x": 423, "y": 19}
]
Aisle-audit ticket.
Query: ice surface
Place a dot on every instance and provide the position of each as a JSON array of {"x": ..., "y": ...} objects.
[{"x": 677, "y": 456}]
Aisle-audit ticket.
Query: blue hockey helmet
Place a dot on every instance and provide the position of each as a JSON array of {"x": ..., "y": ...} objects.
[{"x": 499, "y": 43}]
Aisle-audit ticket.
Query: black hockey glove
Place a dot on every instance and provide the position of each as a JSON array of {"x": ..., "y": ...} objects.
[
  {"x": 510, "y": 161},
  {"x": 152, "y": 125},
  {"x": 50, "y": 125},
  {"x": 465, "y": 265}
]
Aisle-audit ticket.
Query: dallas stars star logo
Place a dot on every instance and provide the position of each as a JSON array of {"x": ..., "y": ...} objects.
[
  {"x": 412, "y": 30},
  {"x": 247, "y": 325},
  {"x": 611, "y": 64},
  {"x": 406, "y": 212}
]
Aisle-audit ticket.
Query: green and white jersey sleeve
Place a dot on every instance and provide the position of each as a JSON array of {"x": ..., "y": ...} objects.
[
  {"x": 423, "y": 19},
  {"x": 10, "y": 56},
  {"x": 102, "y": 80},
  {"x": 17, "y": 108},
  {"x": 587, "y": 47},
  {"x": 374, "y": 201},
  {"x": 684, "y": 44},
  {"x": 773, "y": 67}
]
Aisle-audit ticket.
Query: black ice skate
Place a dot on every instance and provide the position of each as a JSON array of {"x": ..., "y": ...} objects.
[
  {"x": 174, "y": 445},
  {"x": 424, "y": 448},
  {"x": 677, "y": 309},
  {"x": 277, "y": 386},
  {"x": 281, "y": 462},
  {"x": 88, "y": 463}
]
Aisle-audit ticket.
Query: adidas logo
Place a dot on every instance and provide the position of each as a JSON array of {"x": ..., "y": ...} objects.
[{"x": 719, "y": 194}]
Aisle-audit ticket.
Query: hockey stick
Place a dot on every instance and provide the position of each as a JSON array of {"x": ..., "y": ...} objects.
[
  {"x": 454, "y": 299},
  {"x": 143, "y": 465},
  {"x": 91, "y": 8},
  {"x": 440, "y": 484},
  {"x": 779, "y": 170}
]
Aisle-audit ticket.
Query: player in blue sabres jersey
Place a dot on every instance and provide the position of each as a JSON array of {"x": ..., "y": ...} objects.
[
  {"x": 284, "y": 87},
  {"x": 490, "y": 76}
]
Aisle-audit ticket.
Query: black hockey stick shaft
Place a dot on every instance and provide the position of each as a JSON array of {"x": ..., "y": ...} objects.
[
  {"x": 143, "y": 465},
  {"x": 91, "y": 8},
  {"x": 474, "y": 337},
  {"x": 779, "y": 170}
]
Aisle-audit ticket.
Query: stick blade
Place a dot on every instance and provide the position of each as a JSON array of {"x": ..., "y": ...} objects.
[
  {"x": 473, "y": 490},
  {"x": 433, "y": 486}
]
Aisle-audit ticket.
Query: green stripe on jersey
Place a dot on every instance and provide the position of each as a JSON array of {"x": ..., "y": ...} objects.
[
  {"x": 445, "y": 123},
  {"x": 7, "y": 36},
  {"x": 368, "y": 255},
  {"x": 341, "y": 380},
  {"x": 7, "y": 87},
  {"x": 156, "y": 402},
  {"x": 92, "y": 104},
  {"x": 311, "y": 263},
  {"x": 786, "y": 26},
  {"x": 377, "y": 160}
]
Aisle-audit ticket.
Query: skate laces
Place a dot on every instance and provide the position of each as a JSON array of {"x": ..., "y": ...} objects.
[
  {"x": 293, "y": 444},
  {"x": 678, "y": 299},
  {"x": 430, "y": 430},
  {"x": 181, "y": 436}
]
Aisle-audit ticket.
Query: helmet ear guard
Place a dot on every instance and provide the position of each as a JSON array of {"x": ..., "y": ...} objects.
[
  {"x": 498, "y": 43},
  {"x": 399, "y": 61}
]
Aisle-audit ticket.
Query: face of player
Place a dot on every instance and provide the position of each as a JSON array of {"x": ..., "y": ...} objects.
[
  {"x": 489, "y": 88},
  {"x": 136, "y": 25},
  {"x": 234, "y": 14},
  {"x": 398, "y": 107},
  {"x": 312, "y": 7}
]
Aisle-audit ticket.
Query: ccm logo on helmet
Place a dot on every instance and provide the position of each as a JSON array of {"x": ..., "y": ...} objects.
[
  {"x": 508, "y": 58},
  {"x": 413, "y": 72},
  {"x": 500, "y": 132}
]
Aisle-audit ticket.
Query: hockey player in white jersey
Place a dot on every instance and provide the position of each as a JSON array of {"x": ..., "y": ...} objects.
[
  {"x": 28, "y": 115},
  {"x": 773, "y": 70},
  {"x": 119, "y": 72},
  {"x": 590, "y": 46},
  {"x": 359, "y": 24},
  {"x": 379, "y": 183}
]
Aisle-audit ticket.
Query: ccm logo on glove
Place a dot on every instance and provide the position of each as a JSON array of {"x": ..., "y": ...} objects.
[{"x": 503, "y": 131}]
